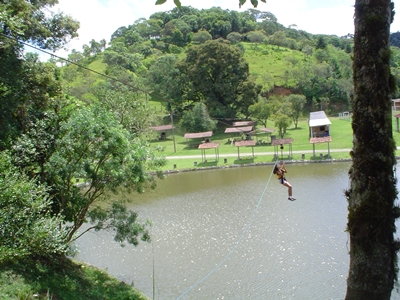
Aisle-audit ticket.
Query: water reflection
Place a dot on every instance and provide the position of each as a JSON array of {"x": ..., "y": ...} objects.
[{"x": 275, "y": 250}]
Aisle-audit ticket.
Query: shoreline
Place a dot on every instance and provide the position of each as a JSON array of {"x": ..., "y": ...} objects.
[{"x": 302, "y": 161}]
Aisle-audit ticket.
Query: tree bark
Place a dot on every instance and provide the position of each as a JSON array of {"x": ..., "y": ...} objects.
[{"x": 371, "y": 211}]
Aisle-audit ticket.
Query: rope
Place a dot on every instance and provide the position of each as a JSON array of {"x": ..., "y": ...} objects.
[{"x": 237, "y": 242}]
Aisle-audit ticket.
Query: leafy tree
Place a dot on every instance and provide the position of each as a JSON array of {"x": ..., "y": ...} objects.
[
  {"x": 216, "y": 73},
  {"x": 278, "y": 38},
  {"x": 176, "y": 32},
  {"x": 95, "y": 47},
  {"x": 75, "y": 56},
  {"x": 131, "y": 37},
  {"x": 197, "y": 119},
  {"x": 27, "y": 225},
  {"x": 297, "y": 105},
  {"x": 201, "y": 36},
  {"x": 282, "y": 122},
  {"x": 234, "y": 37},
  {"x": 261, "y": 111},
  {"x": 321, "y": 55},
  {"x": 241, "y": 2},
  {"x": 256, "y": 37},
  {"x": 25, "y": 85},
  {"x": 372, "y": 193},
  {"x": 164, "y": 79},
  {"x": 94, "y": 147},
  {"x": 48, "y": 31},
  {"x": 248, "y": 95},
  {"x": 131, "y": 109},
  {"x": 28, "y": 87},
  {"x": 321, "y": 43}
]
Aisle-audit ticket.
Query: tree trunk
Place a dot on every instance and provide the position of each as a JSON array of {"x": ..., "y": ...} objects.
[{"x": 371, "y": 219}]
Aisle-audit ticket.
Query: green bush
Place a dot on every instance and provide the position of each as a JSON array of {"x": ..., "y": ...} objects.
[{"x": 26, "y": 225}]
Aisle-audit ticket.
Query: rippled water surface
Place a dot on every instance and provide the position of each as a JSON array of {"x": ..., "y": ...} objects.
[{"x": 232, "y": 234}]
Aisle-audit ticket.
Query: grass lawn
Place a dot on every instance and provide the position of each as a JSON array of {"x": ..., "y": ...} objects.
[
  {"x": 340, "y": 129},
  {"x": 61, "y": 279}
]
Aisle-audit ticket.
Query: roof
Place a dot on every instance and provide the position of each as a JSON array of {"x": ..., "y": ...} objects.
[
  {"x": 238, "y": 129},
  {"x": 243, "y": 123},
  {"x": 316, "y": 140},
  {"x": 162, "y": 127},
  {"x": 245, "y": 143},
  {"x": 198, "y": 135},
  {"x": 208, "y": 145},
  {"x": 318, "y": 118},
  {"x": 282, "y": 141},
  {"x": 265, "y": 129}
]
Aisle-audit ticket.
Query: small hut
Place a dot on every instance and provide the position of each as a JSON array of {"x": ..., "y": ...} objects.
[
  {"x": 163, "y": 130},
  {"x": 319, "y": 124},
  {"x": 319, "y": 130},
  {"x": 396, "y": 104}
]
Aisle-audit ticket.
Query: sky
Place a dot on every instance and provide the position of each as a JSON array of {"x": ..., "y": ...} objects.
[{"x": 99, "y": 19}]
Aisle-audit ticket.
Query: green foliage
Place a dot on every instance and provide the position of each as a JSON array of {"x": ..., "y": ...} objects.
[
  {"x": 29, "y": 87},
  {"x": 131, "y": 110},
  {"x": 260, "y": 111},
  {"x": 162, "y": 78},
  {"x": 201, "y": 36},
  {"x": 282, "y": 122},
  {"x": 216, "y": 73},
  {"x": 27, "y": 225},
  {"x": 45, "y": 30},
  {"x": 321, "y": 43},
  {"x": 95, "y": 147},
  {"x": 197, "y": 119},
  {"x": 255, "y": 36},
  {"x": 123, "y": 222},
  {"x": 297, "y": 103},
  {"x": 60, "y": 278},
  {"x": 234, "y": 37}
]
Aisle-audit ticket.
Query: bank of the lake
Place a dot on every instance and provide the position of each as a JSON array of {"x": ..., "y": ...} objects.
[{"x": 61, "y": 279}]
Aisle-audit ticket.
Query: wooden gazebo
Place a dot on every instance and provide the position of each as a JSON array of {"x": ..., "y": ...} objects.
[
  {"x": 242, "y": 129},
  {"x": 397, "y": 122},
  {"x": 316, "y": 140},
  {"x": 204, "y": 146},
  {"x": 279, "y": 145},
  {"x": 163, "y": 130},
  {"x": 245, "y": 143},
  {"x": 199, "y": 135}
]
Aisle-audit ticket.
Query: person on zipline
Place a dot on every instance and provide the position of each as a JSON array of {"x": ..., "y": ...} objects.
[{"x": 280, "y": 171}]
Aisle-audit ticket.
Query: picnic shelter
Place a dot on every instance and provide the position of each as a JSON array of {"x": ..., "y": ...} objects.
[{"x": 279, "y": 145}]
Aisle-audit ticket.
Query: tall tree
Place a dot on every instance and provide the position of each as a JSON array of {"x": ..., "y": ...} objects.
[
  {"x": 197, "y": 119},
  {"x": 92, "y": 145},
  {"x": 261, "y": 111},
  {"x": 217, "y": 73},
  {"x": 25, "y": 85},
  {"x": 372, "y": 214},
  {"x": 297, "y": 103}
]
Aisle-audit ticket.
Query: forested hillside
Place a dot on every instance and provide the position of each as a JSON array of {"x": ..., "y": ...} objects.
[{"x": 228, "y": 60}]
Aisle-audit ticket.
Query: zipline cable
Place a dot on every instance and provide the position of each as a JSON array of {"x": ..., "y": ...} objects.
[{"x": 237, "y": 242}]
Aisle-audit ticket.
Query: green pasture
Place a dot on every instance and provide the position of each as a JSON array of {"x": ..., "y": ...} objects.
[
  {"x": 268, "y": 62},
  {"x": 187, "y": 153}
]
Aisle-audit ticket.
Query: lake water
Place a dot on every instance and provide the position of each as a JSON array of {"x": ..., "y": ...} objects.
[{"x": 232, "y": 234}]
